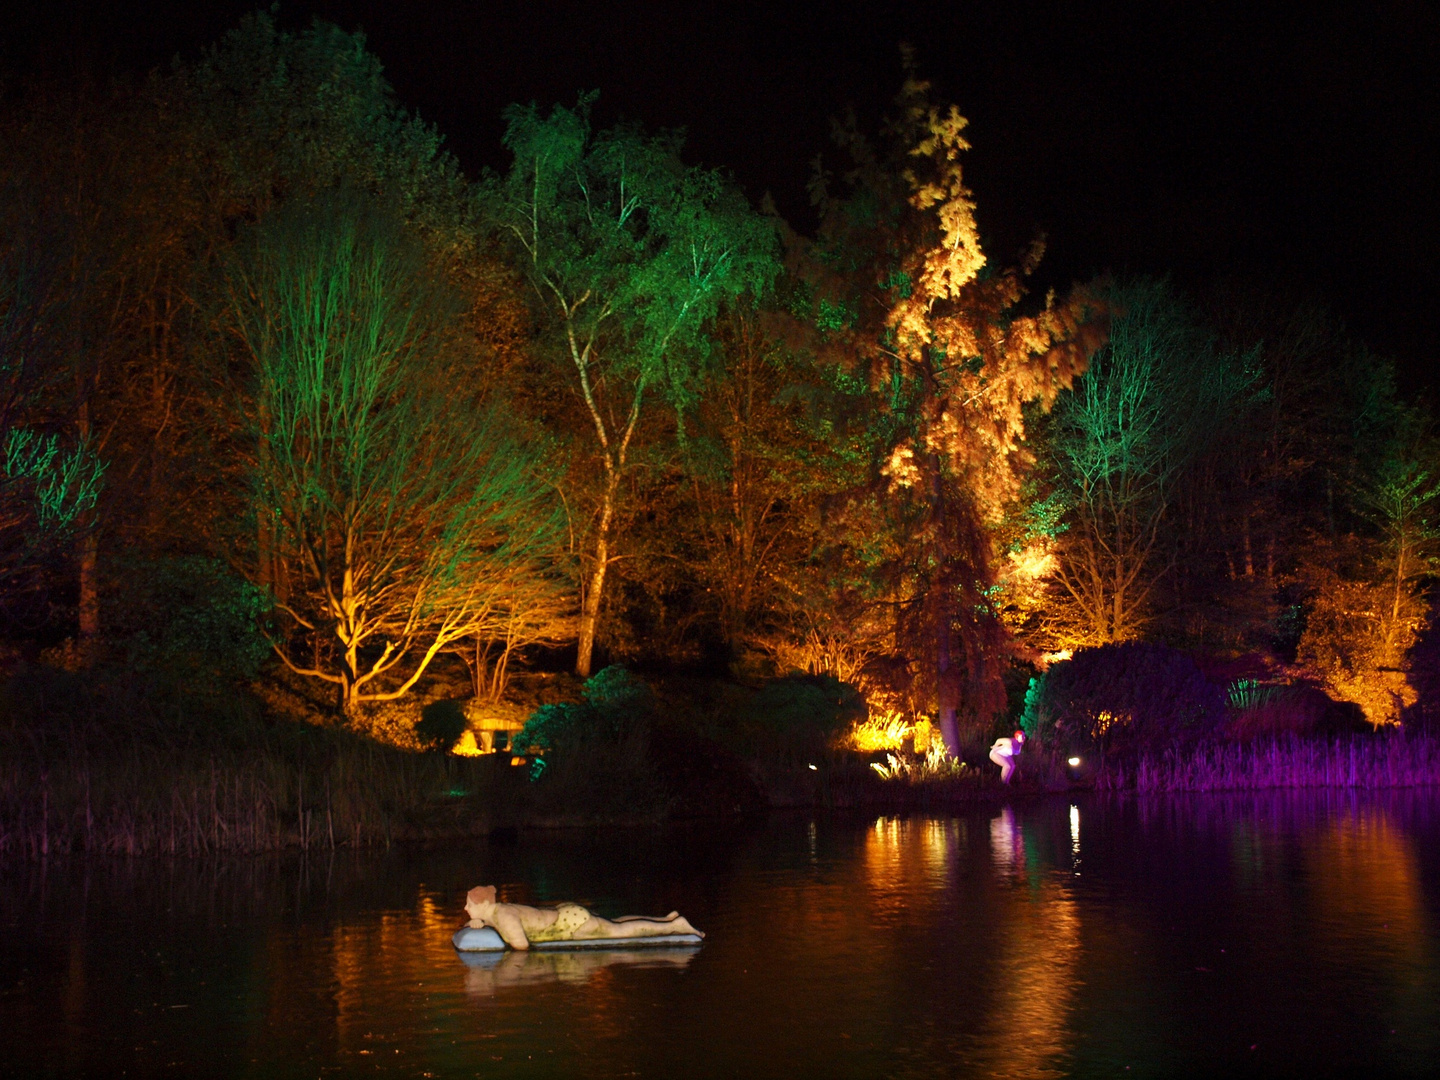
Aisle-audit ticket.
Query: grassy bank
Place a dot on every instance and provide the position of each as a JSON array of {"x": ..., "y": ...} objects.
[
  {"x": 96, "y": 763},
  {"x": 153, "y": 800}
]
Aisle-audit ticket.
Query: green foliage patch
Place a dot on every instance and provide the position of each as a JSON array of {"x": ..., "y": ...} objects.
[{"x": 187, "y": 616}]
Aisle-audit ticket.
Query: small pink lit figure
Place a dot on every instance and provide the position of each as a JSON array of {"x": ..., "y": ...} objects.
[{"x": 1004, "y": 753}]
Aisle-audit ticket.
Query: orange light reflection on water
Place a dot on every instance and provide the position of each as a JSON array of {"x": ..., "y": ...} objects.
[{"x": 1033, "y": 936}]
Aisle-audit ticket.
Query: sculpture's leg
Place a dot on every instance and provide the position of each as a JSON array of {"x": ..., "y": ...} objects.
[
  {"x": 1006, "y": 763},
  {"x": 634, "y": 926}
]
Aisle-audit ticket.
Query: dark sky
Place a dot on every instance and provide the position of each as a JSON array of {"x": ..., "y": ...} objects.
[{"x": 1200, "y": 139}]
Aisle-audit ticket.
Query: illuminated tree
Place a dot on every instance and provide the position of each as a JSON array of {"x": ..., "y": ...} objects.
[
  {"x": 537, "y": 609},
  {"x": 141, "y": 187},
  {"x": 1154, "y": 396},
  {"x": 1368, "y": 606},
  {"x": 278, "y": 115},
  {"x": 406, "y": 519},
  {"x": 628, "y": 253},
  {"x": 47, "y": 486},
  {"x": 759, "y": 459},
  {"x": 1401, "y": 503},
  {"x": 956, "y": 367}
]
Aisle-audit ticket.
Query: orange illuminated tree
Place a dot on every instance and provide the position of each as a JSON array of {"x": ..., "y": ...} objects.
[
  {"x": 408, "y": 519},
  {"x": 955, "y": 363}
]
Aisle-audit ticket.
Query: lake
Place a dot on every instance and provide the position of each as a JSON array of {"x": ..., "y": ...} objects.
[{"x": 1284, "y": 933}]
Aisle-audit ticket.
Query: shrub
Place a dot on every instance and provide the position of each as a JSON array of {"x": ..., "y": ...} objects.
[
  {"x": 188, "y": 617},
  {"x": 598, "y": 752},
  {"x": 550, "y": 726},
  {"x": 1134, "y": 695},
  {"x": 1259, "y": 710},
  {"x": 807, "y": 707},
  {"x": 793, "y": 720},
  {"x": 615, "y": 695},
  {"x": 441, "y": 724},
  {"x": 617, "y": 703}
]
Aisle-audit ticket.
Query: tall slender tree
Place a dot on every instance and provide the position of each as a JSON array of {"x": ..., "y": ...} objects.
[
  {"x": 1121, "y": 439},
  {"x": 628, "y": 253}
]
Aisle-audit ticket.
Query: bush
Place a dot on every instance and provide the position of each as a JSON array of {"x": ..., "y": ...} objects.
[
  {"x": 1135, "y": 695},
  {"x": 1258, "y": 710},
  {"x": 808, "y": 707},
  {"x": 550, "y": 726},
  {"x": 188, "y": 617},
  {"x": 617, "y": 703},
  {"x": 616, "y": 696},
  {"x": 598, "y": 760},
  {"x": 440, "y": 725},
  {"x": 794, "y": 719}
]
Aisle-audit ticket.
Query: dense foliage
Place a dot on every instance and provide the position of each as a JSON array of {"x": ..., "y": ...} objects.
[
  {"x": 1135, "y": 695},
  {"x": 281, "y": 388}
]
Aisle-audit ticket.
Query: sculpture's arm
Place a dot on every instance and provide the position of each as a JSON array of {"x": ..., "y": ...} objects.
[{"x": 509, "y": 927}]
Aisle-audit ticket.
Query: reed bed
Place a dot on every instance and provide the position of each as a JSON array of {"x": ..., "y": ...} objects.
[
  {"x": 142, "y": 804},
  {"x": 96, "y": 764},
  {"x": 1386, "y": 760}
]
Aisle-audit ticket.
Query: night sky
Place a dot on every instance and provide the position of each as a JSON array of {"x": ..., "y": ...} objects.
[{"x": 1207, "y": 141}]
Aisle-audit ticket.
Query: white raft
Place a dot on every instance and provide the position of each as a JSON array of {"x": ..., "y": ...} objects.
[{"x": 470, "y": 939}]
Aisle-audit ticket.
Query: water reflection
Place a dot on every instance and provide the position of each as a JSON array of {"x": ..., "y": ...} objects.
[
  {"x": 1302, "y": 924},
  {"x": 1007, "y": 841},
  {"x": 489, "y": 972},
  {"x": 903, "y": 853},
  {"x": 1036, "y": 938},
  {"x": 1367, "y": 902}
]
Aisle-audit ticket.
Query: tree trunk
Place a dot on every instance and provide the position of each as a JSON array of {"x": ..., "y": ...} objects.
[
  {"x": 590, "y": 607},
  {"x": 89, "y": 583},
  {"x": 349, "y": 695},
  {"x": 948, "y": 710},
  {"x": 947, "y": 705},
  {"x": 89, "y": 590}
]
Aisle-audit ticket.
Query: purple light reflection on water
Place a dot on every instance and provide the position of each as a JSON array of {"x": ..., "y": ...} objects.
[{"x": 1300, "y": 924}]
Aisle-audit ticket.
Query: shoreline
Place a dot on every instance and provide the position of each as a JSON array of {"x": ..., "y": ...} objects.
[{"x": 349, "y": 794}]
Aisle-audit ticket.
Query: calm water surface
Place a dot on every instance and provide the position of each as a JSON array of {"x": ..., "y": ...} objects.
[{"x": 1284, "y": 934}]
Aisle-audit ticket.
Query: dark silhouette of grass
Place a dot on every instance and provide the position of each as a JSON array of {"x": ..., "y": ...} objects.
[{"x": 1382, "y": 760}]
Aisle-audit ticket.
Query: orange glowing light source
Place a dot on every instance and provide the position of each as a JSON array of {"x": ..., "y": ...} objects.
[{"x": 1074, "y": 761}]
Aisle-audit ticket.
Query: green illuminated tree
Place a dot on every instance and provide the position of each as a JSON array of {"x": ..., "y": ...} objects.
[
  {"x": 406, "y": 519},
  {"x": 140, "y": 187},
  {"x": 627, "y": 253},
  {"x": 759, "y": 459},
  {"x": 1153, "y": 398},
  {"x": 47, "y": 485},
  {"x": 280, "y": 114},
  {"x": 1368, "y": 606}
]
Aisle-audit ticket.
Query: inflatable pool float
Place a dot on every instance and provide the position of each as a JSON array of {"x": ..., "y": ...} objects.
[{"x": 470, "y": 939}]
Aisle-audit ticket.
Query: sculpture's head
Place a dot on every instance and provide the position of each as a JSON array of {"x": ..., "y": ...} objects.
[{"x": 480, "y": 902}]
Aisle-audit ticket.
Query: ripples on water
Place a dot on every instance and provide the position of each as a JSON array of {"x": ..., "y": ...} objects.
[{"x": 1281, "y": 933}]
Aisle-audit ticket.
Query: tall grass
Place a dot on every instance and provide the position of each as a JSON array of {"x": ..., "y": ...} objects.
[
  {"x": 140, "y": 803},
  {"x": 91, "y": 765},
  {"x": 1391, "y": 759}
]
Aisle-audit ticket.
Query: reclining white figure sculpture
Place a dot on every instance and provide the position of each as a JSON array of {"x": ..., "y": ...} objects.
[{"x": 520, "y": 926}]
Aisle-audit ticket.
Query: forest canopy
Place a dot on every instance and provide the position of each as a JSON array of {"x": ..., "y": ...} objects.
[{"x": 259, "y": 332}]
